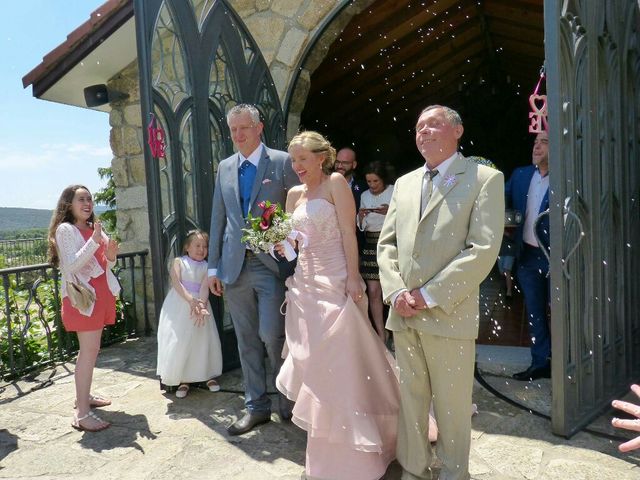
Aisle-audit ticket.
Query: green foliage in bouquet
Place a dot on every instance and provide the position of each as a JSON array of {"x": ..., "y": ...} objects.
[{"x": 271, "y": 227}]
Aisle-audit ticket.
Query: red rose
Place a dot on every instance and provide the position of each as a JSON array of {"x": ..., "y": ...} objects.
[{"x": 267, "y": 217}]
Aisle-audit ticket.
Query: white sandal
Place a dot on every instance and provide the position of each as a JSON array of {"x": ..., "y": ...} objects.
[
  {"x": 213, "y": 386},
  {"x": 182, "y": 391},
  {"x": 95, "y": 401},
  {"x": 78, "y": 426}
]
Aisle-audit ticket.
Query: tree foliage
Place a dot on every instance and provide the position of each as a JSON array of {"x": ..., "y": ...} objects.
[{"x": 107, "y": 197}]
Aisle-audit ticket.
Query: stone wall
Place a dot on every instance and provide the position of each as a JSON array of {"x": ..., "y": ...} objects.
[
  {"x": 128, "y": 171},
  {"x": 283, "y": 30}
]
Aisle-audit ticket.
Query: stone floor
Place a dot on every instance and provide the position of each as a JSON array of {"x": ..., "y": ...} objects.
[{"x": 156, "y": 436}]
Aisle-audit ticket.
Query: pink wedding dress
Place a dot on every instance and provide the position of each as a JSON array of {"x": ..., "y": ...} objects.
[{"x": 336, "y": 369}]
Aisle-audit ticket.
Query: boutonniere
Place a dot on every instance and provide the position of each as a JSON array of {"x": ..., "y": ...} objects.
[
  {"x": 356, "y": 187},
  {"x": 266, "y": 180},
  {"x": 450, "y": 180}
]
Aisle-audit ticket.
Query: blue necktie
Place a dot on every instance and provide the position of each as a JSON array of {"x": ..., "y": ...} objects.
[{"x": 246, "y": 176}]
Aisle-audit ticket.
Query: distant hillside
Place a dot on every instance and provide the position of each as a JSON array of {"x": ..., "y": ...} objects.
[
  {"x": 23, "y": 218},
  {"x": 27, "y": 218}
]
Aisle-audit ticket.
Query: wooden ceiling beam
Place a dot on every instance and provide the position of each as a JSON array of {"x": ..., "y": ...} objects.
[
  {"x": 514, "y": 12},
  {"x": 393, "y": 30},
  {"x": 408, "y": 59},
  {"x": 405, "y": 79},
  {"x": 513, "y": 45}
]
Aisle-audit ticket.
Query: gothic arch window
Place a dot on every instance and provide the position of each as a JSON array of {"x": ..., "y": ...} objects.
[{"x": 196, "y": 60}]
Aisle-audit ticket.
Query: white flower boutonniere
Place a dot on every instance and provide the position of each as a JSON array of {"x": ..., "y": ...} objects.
[{"x": 450, "y": 180}]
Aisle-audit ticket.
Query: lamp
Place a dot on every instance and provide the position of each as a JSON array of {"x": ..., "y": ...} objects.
[{"x": 97, "y": 95}]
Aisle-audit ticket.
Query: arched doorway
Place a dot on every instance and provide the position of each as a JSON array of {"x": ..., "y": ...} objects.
[
  {"x": 367, "y": 77},
  {"x": 394, "y": 58}
]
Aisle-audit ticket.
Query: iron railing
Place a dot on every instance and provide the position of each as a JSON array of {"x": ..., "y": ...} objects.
[
  {"x": 24, "y": 251},
  {"x": 31, "y": 331}
]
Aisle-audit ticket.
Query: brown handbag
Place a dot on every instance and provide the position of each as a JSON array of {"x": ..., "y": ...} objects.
[{"x": 80, "y": 296}]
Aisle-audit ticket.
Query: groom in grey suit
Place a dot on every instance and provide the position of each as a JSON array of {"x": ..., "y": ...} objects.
[{"x": 252, "y": 287}]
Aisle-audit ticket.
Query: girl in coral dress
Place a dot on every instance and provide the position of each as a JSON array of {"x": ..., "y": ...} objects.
[{"x": 85, "y": 255}]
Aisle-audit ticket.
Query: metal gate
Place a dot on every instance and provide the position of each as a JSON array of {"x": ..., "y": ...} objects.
[
  {"x": 593, "y": 65},
  {"x": 196, "y": 60}
]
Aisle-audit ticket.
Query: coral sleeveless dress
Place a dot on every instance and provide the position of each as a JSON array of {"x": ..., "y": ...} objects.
[
  {"x": 336, "y": 369},
  {"x": 104, "y": 311}
]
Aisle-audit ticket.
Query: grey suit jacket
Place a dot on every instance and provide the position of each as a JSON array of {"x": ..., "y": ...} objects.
[
  {"x": 449, "y": 249},
  {"x": 273, "y": 179}
]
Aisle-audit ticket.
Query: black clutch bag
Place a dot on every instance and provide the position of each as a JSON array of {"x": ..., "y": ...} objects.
[{"x": 512, "y": 218}]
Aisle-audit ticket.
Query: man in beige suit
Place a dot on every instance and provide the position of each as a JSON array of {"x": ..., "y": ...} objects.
[{"x": 440, "y": 239}]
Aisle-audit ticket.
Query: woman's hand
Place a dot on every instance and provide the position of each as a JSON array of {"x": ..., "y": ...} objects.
[
  {"x": 363, "y": 212},
  {"x": 383, "y": 209},
  {"x": 112, "y": 250},
  {"x": 354, "y": 288},
  {"x": 279, "y": 247},
  {"x": 97, "y": 233}
]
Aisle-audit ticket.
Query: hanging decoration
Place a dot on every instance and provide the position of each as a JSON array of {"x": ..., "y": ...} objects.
[
  {"x": 538, "y": 104},
  {"x": 156, "y": 138}
]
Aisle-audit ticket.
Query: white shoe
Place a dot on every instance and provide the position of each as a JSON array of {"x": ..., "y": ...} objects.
[{"x": 182, "y": 391}]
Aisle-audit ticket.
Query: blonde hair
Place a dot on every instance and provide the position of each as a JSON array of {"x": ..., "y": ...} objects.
[{"x": 316, "y": 143}]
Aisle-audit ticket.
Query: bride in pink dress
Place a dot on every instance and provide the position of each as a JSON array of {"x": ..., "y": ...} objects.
[{"x": 336, "y": 369}]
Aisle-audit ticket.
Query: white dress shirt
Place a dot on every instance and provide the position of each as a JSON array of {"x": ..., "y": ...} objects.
[{"x": 537, "y": 190}]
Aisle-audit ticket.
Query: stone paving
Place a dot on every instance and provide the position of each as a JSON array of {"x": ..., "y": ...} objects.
[{"x": 156, "y": 436}]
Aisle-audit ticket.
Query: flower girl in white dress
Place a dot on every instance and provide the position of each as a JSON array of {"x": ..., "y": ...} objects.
[{"x": 188, "y": 342}]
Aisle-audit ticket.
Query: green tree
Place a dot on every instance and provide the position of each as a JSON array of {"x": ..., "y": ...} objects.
[{"x": 107, "y": 197}]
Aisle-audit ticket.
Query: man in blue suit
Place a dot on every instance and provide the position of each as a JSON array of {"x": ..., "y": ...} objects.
[
  {"x": 528, "y": 192},
  {"x": 252, "y": 283}
]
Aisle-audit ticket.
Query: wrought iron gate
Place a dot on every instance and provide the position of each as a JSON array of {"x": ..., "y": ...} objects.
[
  {"x": 593, "y": 65},
  {"x": 196, "y": 60}
]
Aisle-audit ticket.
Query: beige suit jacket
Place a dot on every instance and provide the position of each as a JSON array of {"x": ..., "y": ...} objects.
[{"x": 450, "y": 249}]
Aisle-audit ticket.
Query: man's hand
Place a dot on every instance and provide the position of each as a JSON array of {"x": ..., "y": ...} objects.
[
  {"x": 419, "y": 299},
  {"x": 405, "y": 305},
  {"x": 215, "y": 286}
]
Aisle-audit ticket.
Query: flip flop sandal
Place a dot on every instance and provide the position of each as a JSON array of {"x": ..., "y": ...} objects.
[
  {"x": 213, "y": 386},
  {"x": 78, "y": 426},
  {"x": 182, "y": 391},
  {"x": 96, "y": 401}
]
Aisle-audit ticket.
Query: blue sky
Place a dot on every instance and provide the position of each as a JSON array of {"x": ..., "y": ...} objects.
[{"x": 44, "y": 146}]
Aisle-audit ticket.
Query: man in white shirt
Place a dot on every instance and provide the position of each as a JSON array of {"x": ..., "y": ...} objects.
[{"x": 528, "y": 192}]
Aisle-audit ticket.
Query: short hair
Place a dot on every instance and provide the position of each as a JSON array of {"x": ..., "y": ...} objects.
[
  {"x": 244, "y": 108},
  {"x": 451, "y": 115},
  {"x": 316, "y": 143},
  {"x": 191, "y": 235}
]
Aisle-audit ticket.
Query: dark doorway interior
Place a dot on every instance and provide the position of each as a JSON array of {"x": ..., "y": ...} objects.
[{"x": 481, "y": 57}]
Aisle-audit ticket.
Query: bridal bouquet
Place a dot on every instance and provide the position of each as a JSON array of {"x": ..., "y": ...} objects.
[{"x": 269, "y": 229}]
